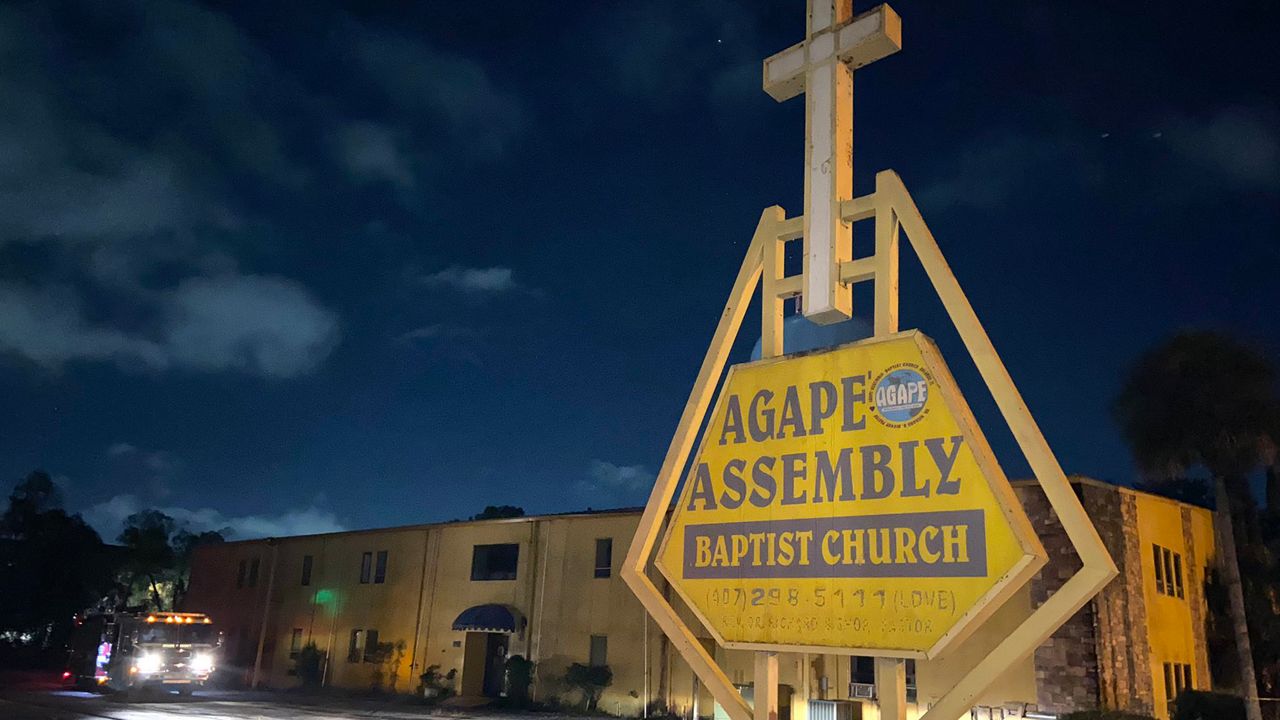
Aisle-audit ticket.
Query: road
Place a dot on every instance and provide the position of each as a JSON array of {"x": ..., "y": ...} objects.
[{"x": 214, "y": 705}]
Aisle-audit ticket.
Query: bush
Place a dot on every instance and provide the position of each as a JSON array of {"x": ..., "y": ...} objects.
[
  {"x": 1103, "y": 715},
  {"x": 309, "y": 664},
  {"x": 1197, "y": 705},
  {"x": 519, "y": 678},
  {"x": 590, "y": 680},
  {"x": 436, "y": 684}
]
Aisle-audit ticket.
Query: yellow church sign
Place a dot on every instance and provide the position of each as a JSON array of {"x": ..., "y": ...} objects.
[{"x": 845, "y": 499}]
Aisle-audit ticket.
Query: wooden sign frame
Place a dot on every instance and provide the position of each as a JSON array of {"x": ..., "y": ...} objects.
[{"x": 893, "y": 210}]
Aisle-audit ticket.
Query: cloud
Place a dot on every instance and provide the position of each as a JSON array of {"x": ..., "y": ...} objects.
[
  {"x": 121, "y": 448},
  {"x": 661, "y": 51},
  {"x": 48, "y": 327},
  {"x": 1235, "y": 143},
  {"x": 108, "y": 518},
  {"x": 372, "y": 152},
  {"x": 454, "y": 93},
  {"x": 257, "y": 324},
  {"x": 440, "y": 331},
  {"x": 119, "y": 165},
  {"x": 1190, "y": 161},
  {"x": 473, "y": 280},
  {"x": 265, "y": 325},
  {"x": 157, "y": 468},
  {"x": 990, "y": 171},
  {"x": 616, "y": 483}
]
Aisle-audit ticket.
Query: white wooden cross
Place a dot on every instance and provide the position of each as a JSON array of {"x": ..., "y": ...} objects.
[{"x": 822, "y": 67}]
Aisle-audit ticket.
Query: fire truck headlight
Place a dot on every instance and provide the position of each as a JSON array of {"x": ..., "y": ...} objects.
[
  {"x": 202, "y": 663},
  {"x": 147, "y": 663}
]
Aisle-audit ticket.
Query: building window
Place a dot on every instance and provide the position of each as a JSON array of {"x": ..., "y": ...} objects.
[
  {"x": 306, "y": 569},
  {"x": 604, "y": 557},
  {"x": 295, "y": 642},
  {"x": 1177, "y": 572},
  {"x": 244, "y": 568},
  {"x": 355, "y": 650},
  {"x": 495, "y": 562},
  {"x": 1158, "y": 560},
  {"x": 366, "y": 567},
  {"x": 380, "y": 569},
  {"x": 253, "y": 572},
  {"x": 599, "y": 651},
  {"x": 1177, "y": 677},
  {"x": 371, "y": 650},
  {"x": 863, "y": 670},
  {"x": 1168, "y": 566}
]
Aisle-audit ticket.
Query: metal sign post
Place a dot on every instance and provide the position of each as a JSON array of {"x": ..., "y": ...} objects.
[{"x": 845, "y": 500}]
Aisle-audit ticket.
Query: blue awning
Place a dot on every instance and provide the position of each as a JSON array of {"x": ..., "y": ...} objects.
[{"x": 486, "y": 618}]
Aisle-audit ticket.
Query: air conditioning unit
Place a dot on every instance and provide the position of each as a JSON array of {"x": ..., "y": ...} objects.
[{"x": 862, "y": 691}]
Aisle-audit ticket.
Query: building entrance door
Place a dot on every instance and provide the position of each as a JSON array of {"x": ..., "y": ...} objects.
[
  {"x": 495, "y": 671},
  {"x": 484, "y": 664}
]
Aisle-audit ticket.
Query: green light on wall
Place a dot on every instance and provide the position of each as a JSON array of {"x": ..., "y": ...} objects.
[{"x": 326, "y": 597}]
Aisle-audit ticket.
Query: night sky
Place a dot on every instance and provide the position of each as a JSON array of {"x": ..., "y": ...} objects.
[{"x": 290, "y": 267}]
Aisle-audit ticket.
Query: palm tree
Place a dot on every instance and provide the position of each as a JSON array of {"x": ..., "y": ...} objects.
[{"x": 1203, "y": 399}]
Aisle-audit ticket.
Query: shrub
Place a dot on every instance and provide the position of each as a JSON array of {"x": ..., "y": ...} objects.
[
  {"x": 309, "y": 664},
  {"x": 1103, "y": 715},
  {"x": 590, "y": 680},
  {"x": 519, "y": 678},
  {"x": 1198, "y": 705},
  {"x": 436, "y": 684}
]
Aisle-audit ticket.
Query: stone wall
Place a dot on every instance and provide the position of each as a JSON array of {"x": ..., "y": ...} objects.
[
  {"x": 1195, "y": 565},
  {"x": 1124, "y": 651},
  {"x": 1099, "y": 658},
  {"x": 1066, "y": 664}
]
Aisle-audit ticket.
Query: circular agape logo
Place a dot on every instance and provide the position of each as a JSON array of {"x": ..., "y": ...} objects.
[{"x": 900, "y": 395}]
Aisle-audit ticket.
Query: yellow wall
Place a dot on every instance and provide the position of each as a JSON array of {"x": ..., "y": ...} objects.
[{"x": 1170, "y": 621}]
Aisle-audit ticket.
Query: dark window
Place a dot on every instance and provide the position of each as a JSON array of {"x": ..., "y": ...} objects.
[
  {"x": 1158, "y": 558},
  {"x": 380, "y": 570},
  {"x": 372, "y": 652},
  {"x": 599, "y": 651},
  {"x": 1177, "y": 573},
  {"x": 366, "y": 567},
  {"x": 863, "y": 669},
  {"x": 1169, "y": 691},
  {"x": 495, "y": 562},
  {"x": 306, "y": 569},
  {"x": 253, "y": 572},
  {"x": 244, "y": 567},
  {"x": 356, "y": 648},
  {"x": 1168, "y": 572},
  {"x": 1186, "y": 678},
  {"x": 604, "y": 557},
  {"x": 295, "y": 642}
]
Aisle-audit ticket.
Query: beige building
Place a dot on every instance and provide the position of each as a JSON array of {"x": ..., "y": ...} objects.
[{"x": 385, "y": 605}]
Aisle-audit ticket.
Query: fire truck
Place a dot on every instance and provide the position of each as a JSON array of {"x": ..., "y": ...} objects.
[{"x": 128, "y": 650}]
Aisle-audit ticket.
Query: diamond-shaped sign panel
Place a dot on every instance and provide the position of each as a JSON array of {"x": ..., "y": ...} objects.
[{"x": 846, "y": 499}]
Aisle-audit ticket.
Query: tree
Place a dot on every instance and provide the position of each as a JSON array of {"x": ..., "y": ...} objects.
[
  {"x": 52, "y": 564},
  {"x": 160, "y": 551},
  {"x": 1203, "y": 399},
  {"x": 498, "y": 512},
  {"x": 146, "y": 535}
]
